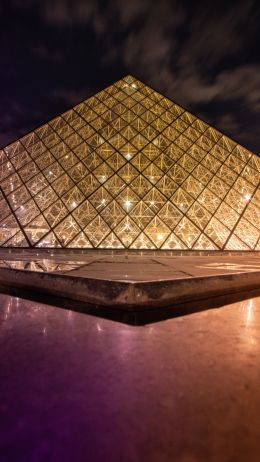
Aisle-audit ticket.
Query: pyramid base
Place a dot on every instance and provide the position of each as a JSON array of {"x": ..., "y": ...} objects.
[{"x": 133, "y": 288}]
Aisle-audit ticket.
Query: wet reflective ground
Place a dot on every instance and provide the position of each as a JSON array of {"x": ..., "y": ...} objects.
[
  {"x": 129, "y": 267},
  {"x": 75, "y": 387}
]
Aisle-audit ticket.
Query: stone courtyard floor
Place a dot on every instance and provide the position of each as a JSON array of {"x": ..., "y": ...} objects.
[{"x": 130, "y": 266}]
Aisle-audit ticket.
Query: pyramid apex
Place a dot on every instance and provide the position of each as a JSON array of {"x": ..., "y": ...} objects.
[{"x": 129, "y": 78}]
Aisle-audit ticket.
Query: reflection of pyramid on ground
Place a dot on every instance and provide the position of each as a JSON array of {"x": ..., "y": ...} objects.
[{"x": 128, "y": 168}]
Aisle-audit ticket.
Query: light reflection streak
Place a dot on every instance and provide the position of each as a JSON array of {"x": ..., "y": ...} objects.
[{"x": 250, "y": 312}]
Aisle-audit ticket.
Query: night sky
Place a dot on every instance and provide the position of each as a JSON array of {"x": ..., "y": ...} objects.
[{"x": 202, "y": 55}]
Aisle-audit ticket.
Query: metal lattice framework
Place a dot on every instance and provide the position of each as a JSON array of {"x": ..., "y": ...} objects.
[{"x": 128, "y": 168}]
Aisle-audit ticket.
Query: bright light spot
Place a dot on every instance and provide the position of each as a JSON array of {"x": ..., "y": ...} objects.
[
  {"x": 50, "y": 172},
  {"x": 247, "y": 197},
  {"x": 128, "y": 156},
  {"x": 249, "y": 311},
  {"x": 160, "y": 237},
  {"x": 74, "y": 204},
  {"x": 103, "y": 178},
  {"x": 152, "y": 202},
  {"x": 133, "y": 85},
  {"x": 128, "y": 204}
]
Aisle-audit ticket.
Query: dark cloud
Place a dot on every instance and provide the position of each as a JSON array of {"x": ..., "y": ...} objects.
[
  {"x": 11, "y": 122},
  {"x": 59, "y": 12},
  {"x": 69, "y": 96},
  {"x": 42, "y": 51},
  {"x": 228, "y": 123},
  {"x": 241, "y": 83},
  {"x": 63, "y": 13},
  {"x": 216, "y": 33}
]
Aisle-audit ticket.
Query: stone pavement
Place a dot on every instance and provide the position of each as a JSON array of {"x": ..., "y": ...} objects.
[{"x": 131, "y": 267}]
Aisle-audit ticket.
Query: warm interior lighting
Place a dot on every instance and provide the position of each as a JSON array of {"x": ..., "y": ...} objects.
[{"x": 141, "y": 173}]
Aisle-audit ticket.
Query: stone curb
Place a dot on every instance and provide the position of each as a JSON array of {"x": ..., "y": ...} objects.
[{"x": 130, "y": 295}]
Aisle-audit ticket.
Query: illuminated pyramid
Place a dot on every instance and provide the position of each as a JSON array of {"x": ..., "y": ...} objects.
[{"x": 128, "y": 168}]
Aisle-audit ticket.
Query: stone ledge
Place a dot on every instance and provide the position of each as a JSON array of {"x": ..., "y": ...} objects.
[{"x": 130, "y": 295}]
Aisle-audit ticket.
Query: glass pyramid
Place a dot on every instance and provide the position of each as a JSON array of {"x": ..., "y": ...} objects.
[{"x": 128, "y": 168}]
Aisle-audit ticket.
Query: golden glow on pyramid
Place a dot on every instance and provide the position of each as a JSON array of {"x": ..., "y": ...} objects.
[{"x": 128, "y": 168}]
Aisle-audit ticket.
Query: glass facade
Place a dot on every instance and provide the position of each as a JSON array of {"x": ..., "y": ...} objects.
[{"x": 128, "y": 168}]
